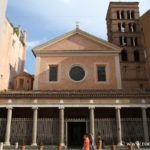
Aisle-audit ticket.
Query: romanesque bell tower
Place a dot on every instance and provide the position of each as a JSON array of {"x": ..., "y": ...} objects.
[{"x": 124, "y": 30}]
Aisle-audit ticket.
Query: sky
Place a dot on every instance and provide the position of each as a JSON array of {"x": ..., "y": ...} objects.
[{"x": 44, "y": 20}]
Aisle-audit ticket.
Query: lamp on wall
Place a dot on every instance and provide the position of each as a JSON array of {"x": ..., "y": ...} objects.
[{"x": 1, "y": 76}]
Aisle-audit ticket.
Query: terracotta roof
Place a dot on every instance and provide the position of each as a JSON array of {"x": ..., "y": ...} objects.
[
  {"x": 77, "y": 94},
  {"x": 25, "y": 74}
]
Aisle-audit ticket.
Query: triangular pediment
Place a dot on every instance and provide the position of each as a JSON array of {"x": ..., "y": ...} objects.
[{"x": 77, "y": 40}]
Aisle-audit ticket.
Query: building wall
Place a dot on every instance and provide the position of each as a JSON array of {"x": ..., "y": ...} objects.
[
  {"x": 145, "y": 23},
  {"x": 134, "y": 73},
  {"x": 88, "y": 63},
  {"x": 12, "y": 52},
  {"x": 3, "y": 4}
]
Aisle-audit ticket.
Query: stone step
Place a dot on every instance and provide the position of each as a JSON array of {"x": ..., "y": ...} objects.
[{"x": 48, "y": 147}]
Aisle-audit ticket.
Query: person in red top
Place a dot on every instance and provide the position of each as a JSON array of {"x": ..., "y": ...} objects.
[{"x": 86, "y": 144}]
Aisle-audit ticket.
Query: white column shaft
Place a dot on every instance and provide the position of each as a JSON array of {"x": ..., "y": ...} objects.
[
  {"x": 61, "y": 126},
  {"x": 92, "y": 121},
  {"x": 145, "y": 125},
  {"x": 119, "y": 132},
  {"x": 34, "y": 129},
  {"x": 8, "y": 126}
]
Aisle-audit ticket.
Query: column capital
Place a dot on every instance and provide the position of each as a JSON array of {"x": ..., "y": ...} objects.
[
  {"x": 61, "y": 107},
  {"x": 144, "y": 107},
  {"x": 9, "y": 107},
  {"x": 34, "y": 108},
  {"x": 91, "y": 107},
  {"x": 117, "y": 108}
]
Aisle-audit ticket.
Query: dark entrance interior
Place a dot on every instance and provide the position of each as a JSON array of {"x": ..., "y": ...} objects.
[{"x": 76, "y": 130}]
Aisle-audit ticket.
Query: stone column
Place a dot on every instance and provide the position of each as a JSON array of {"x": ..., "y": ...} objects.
[
  {"x": 119, "y": 132},
  {"x": 8, "y": 126},
  {"x": 34, "y": 129},
  {"x": 145, "y": 125},
  {"x": 92, "y": 121},
  {"x": 61, "y": 126}
]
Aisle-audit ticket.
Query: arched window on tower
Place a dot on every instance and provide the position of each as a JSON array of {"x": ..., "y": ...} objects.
[
  {"x": 123, "y": 41},
  {"x": 132, "y": 15},
  {"x": 134, "y": 41},
  {"x": 118, "y": 14},
  {"x": 121, "y": 27},
  {"x": 136, "y": 56},
  {"x": 122, "y": 14},
  {"x": 124, "y": 55},
  {"x": 128, "y": 14},
  {"x": 132, "y": 27}
]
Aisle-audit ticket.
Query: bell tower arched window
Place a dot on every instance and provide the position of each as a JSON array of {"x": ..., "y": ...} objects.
[
  {"x": 124, "y": 55},
  {"x": 136, "y": 56}
]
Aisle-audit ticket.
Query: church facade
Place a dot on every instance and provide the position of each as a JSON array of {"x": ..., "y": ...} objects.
[{"x": 77, "y": 89}]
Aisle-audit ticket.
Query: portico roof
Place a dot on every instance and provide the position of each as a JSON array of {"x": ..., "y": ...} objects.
[{"x": 131, "y": 93}]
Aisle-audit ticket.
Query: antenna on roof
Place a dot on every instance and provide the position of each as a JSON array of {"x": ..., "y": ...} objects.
[{"x": 77, "y": 24}]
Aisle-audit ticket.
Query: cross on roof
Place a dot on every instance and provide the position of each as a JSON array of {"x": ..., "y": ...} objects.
[{"x": 77, "y": 24}]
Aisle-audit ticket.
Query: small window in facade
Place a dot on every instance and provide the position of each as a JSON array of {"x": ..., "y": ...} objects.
[
  {"x": 53, "y": 73},
  {"x": 124, "y": 55},
  {"x": 101, "y": 73},
  {"x": 136, "y": 56},
  {"x": 13, "y": 43}
]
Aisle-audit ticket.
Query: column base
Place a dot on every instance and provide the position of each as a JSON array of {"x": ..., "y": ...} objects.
[
  {"x": 62, "y": 144},
  {"x": 33, "y": 144},
  {"x": 120, "y": 144},
  {"x": 6, "y": 143}
]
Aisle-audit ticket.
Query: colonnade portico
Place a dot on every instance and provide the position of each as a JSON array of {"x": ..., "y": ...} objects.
[{"x": 62, "y": 122}]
